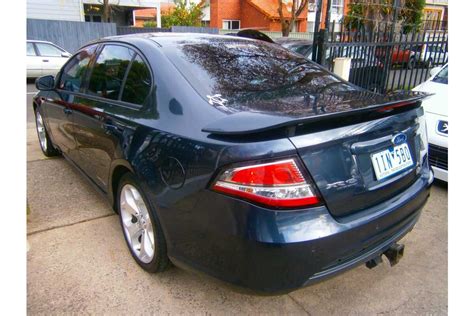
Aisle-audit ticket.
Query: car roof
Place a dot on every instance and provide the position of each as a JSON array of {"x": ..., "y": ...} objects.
[
  {"x": 170, "y": 38},
  {"x": 38, "y": 41}
]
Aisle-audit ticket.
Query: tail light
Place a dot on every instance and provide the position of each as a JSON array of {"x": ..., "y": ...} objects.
[{"x": 279, "y": 184}]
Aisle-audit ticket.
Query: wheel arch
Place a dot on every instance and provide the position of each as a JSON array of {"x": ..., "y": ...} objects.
[{"x": 118, "y": 169}]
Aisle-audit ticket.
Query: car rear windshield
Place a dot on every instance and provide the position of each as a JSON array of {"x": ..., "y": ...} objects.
[{"x": 233, "y": 70}]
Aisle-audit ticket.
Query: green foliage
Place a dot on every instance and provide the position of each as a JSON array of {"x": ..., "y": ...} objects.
[
  {"x": 412, "y": 15},
  {"x": 149, "y": 24},
  {"x": 182, "y": 15},
  {"x": 361, "y": 13}
]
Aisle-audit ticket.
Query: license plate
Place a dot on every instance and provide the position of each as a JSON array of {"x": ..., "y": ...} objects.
[{"x": 391, "y": 161}]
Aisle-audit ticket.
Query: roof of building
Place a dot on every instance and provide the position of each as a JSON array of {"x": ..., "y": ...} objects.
[{"x": 270, "y": 8}]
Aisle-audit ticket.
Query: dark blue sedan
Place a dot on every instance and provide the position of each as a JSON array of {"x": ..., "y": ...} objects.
[{"x": 238, "y": 158}]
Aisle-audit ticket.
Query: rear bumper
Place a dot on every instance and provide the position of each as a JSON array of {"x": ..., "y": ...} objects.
[{"x": 275, "y": 252}]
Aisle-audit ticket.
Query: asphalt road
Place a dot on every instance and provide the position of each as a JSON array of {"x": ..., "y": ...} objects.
[{"x": 78, "y": 262}]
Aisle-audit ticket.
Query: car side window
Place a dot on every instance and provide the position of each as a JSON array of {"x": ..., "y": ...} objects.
[
  {"x": 75, "y": 70},
  {"x": 30, "y": 49},
  {"x": 48, "y": 50},
  {"x": 109, "y": 71},
  {"x": 138, "y": 82}
]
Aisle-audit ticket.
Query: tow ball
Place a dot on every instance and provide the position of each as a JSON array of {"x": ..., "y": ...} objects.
[{"x": 393, "y": 254}]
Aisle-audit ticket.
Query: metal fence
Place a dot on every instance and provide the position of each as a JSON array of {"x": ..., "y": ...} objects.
[
  {"x": 384, "y": 60},
  {"x": 274, "y": 35},
  {"x": 68, "y": 34}
]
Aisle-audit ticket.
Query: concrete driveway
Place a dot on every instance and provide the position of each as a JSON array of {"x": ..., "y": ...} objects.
[{"x": 78, "y": 262}]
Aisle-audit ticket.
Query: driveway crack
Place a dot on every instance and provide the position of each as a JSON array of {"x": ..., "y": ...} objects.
[
  {"x": 299, "y": 304},
  {"x": 67, "y": 225}
]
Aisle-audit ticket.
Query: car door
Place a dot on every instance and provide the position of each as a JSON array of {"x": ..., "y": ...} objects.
[
  {"x": 52, "y": 58},
  {"x": 99, "y": 128},
  {"x": 59, "y": 107},
  {"x": 33, "y": 61}
]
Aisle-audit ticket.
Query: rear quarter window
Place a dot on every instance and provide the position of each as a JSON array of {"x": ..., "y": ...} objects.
[{"x": 138, "y": 82}]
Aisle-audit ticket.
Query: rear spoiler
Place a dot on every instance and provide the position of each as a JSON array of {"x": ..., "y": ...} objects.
[{"x": 245, "y": 123}]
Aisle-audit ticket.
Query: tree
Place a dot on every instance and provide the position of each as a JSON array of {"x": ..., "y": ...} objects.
[
  {"x": 287, "y": 23},
  {"x": 182, "y": 14},
  {"x": 106, "y": 10},
  {"x": 412, "y": 15},
  {"x": 374, "y": 14}
]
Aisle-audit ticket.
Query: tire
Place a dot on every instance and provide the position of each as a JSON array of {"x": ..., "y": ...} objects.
[
  {"x": 147, "y": 246},
  {"x": 45, "y": 142}
]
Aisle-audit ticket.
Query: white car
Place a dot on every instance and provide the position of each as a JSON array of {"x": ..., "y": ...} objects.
[
  {"x": 44, "y": 58},
  {"x": 436, "y": 113}
]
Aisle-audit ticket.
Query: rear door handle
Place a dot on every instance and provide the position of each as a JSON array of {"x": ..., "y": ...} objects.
[{"x": 67, "y": 111}]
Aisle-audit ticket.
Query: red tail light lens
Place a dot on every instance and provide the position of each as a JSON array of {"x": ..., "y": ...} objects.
[{"x": 278, "y": 184}]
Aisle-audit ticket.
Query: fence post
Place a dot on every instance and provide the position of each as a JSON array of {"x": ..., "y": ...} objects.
[
  {"x": 317, "y": 20},
  {"x": 322, "y": 40}
]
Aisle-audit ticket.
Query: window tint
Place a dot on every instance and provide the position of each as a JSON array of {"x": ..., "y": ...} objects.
[
  {"x": 109, "y": 71},
  {"x": 30, "y": 49},
  {"x": 48, "y": 50},
  {"x": 239, "y": 71},
  {"x": 138, "y": 82},
  {"x": 75, "y": 70}
]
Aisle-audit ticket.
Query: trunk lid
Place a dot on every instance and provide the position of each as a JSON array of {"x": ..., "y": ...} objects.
[{"x": 339, "y": 160}]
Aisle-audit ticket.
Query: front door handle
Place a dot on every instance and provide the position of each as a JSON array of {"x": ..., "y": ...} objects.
[
  {"x": 67, "y": 111},
  {"x": 45, "y": 60}
]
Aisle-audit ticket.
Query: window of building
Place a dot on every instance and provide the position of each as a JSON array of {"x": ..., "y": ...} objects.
[
  {"x": 109, "y": 71},
  {"x": 231, "y": 24},
  {"x": 75, "y": 70},
  {"x": 93, "y": 18},
  {"x": 337, "y": 10}
]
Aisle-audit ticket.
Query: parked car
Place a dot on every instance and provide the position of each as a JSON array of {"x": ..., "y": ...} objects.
[
  {"x": 400, "y": 55},
  {"x": 366, "y": 69},
  {"x": 300, "y": 46},
  {"x": 238, "y": 158},
  {"x": 436, "y": 109},
  {"x": 44, "y": 58}
]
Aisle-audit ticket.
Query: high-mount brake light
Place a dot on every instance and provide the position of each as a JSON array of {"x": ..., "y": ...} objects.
[{"x": 278, "y": 184}]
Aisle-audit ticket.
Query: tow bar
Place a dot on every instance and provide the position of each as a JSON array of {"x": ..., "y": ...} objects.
[{"x": 393, "y": 254}]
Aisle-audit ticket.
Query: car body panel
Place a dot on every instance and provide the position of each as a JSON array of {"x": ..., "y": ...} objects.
[{"x": 163, "y": 144}]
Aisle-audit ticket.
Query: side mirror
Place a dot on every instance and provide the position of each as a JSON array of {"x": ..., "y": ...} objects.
[
  {"x": 434, "y": 71},
  {"x": 65, "y": 54},
  {"x": 45, "y": 83}
]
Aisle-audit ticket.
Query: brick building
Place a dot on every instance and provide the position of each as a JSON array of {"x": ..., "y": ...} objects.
[{"x": 255, "y": 14}]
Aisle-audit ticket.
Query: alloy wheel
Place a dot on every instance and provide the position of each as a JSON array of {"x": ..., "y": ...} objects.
[
  {"x": 41, "y": 131},
  {"x": 137, "y": 224}
]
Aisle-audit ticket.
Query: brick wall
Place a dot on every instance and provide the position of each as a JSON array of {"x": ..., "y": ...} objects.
[
  {"x": 253, "y": 18},
  {"x": 224, "y": 10},
  {"x": 249, "y": 16}
]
